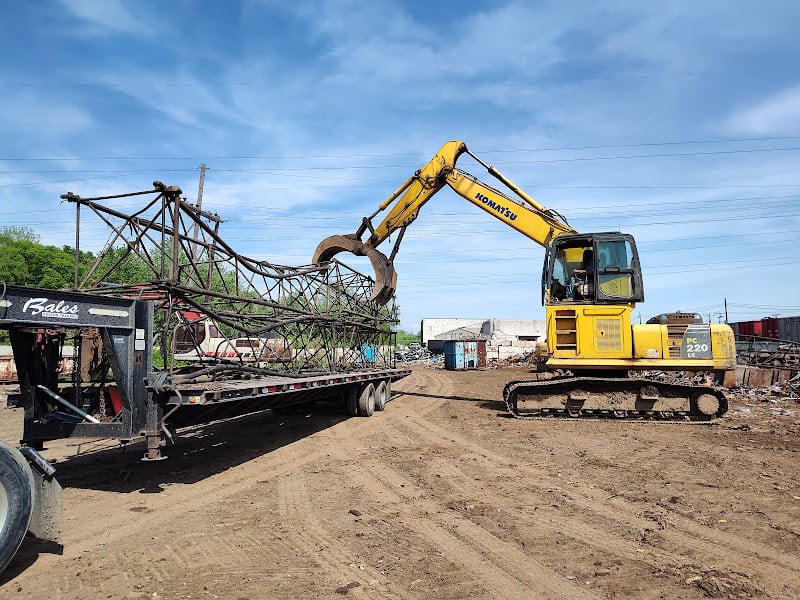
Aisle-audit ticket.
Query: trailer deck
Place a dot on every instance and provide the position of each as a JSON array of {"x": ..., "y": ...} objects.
[{"x": 214, "y": 392}]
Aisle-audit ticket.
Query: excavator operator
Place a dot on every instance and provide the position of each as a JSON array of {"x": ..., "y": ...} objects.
[{"x": 581, "y": 282}]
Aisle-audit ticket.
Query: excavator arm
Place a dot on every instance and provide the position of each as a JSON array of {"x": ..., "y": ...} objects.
[{"x": 524, "y": 214}]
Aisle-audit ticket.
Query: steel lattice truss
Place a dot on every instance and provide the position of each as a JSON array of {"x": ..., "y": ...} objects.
[{"x": 215, "y": 305}]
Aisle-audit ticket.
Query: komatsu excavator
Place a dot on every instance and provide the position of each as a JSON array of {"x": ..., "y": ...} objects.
[{"x": 590, "y": 285}]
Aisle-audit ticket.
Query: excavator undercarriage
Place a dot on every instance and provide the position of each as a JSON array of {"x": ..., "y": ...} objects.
[{"x": 615, "y": 397}]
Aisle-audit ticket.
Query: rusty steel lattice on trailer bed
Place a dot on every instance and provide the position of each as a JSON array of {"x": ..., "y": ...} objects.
[{"x": 215, "y": 305}]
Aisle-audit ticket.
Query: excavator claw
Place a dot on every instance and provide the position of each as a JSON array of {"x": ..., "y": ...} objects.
[{"x": 385, "y": 274}]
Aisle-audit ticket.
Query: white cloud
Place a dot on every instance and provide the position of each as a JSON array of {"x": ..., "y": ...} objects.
[
  {"x": 778, "y": 114},
  {"x": 181, "y": 97},
  {"x": 41, "y": 117},
  {"x": 108, "y": 15}
]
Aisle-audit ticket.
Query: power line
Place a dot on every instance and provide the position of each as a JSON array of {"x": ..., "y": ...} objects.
[
  {"x": 405, "y": 83},
  {"x": 345, "y": 215},
  {"x": 398, "y": 154}
]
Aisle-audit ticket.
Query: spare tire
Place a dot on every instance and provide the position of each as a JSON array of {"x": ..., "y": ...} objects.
[{"x": 16, "y": 502}]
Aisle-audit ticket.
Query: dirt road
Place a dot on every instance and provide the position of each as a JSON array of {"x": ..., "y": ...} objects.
[{"x": 440, "y": 496}]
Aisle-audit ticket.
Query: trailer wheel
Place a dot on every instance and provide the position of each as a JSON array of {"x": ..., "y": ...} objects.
[
  {"x": 382, "y": 393},
  {"x": 351, "y": 400},
  {"x": 16, "y": 502},
  {"x": 366, "y": 401}
]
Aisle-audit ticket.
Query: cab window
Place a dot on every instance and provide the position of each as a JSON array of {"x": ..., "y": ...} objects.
[{"x": 616, "y": 276}]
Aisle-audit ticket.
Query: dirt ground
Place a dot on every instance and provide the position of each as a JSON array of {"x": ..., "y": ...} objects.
[{"x": 440, "y": 496}]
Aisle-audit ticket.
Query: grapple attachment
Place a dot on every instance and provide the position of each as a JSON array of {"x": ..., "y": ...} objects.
[{"x": 385, "y": 275}]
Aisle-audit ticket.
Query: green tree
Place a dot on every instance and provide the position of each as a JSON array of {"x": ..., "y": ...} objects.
[
  {"x": 404, "y": 338},
  {"x": 24, "y": 261},
  {"x": 120, "y": 265}
]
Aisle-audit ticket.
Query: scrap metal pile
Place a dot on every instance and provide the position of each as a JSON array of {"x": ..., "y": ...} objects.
[
  {"x": 215, "y": 305},
  {"x": 767, "y": 352}
]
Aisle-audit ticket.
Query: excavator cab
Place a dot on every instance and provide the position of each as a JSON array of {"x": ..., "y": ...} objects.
[{"x": 598, "y": 268}]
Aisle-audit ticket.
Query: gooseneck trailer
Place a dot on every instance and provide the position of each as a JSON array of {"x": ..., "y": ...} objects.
[
  {"x": 205, "y": 333},
  {"x": 131, "y": 400}
]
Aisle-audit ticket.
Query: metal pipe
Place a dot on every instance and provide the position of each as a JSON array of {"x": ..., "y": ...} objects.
[
  {"x": 68, "y": 404},
  {"x": 37, "y": 459},
  {"x": 77, "y": 243},
  {"x": 164, "y": 427}
]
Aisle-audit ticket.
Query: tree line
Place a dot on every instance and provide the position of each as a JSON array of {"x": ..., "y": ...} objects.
[{"x": 25, "y": 261}]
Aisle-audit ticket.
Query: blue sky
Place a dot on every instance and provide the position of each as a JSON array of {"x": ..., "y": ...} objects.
[{"x": 677, "y": 122}]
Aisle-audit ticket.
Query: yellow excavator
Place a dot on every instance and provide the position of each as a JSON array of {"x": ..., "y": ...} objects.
[{"x": 591, "y": 283}]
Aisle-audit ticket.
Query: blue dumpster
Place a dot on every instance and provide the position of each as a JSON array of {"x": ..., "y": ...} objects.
[
  {"x": 369, "y": 354},
  {"x": 459, "y": 354}
]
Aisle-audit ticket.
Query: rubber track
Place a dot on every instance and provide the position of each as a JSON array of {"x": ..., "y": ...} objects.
[{"x": 563, "y": 385}]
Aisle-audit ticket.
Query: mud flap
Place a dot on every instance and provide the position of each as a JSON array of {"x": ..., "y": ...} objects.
[
  {"x": 385, "y": 274},
  {"x": 48, "y": 499}
]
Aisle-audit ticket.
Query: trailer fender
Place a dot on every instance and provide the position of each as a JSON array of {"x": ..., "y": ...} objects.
[{"x": 48, "y": 498}]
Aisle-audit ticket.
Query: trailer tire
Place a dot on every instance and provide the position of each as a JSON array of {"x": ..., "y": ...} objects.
[
  {"x": 366, "y": 401},
  {"x": 16, "y": 502},
  {"x": 382, "y": 393},
  {"x": 351, "y": 400}
]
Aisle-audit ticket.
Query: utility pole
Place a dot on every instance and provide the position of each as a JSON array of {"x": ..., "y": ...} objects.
[
  {"x": 199, "y": 205},
  {"x": 200, "y": 187},
  {"x": 726, "y": 309}
]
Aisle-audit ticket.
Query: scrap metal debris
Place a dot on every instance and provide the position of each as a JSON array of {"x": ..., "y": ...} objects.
[
  {"x": 268, "y": 316},
  {"x": 766, "y": 352}
]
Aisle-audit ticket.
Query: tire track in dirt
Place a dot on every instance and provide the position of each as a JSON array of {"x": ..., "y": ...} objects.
[
  {"x": 680, "y": 531},
  {"x": 473, "y": 547},
  {"x": 118, "y": 525},
  {"x": 744, "y": 549},
  {"x": 457, "y": 481},
  {"x": 311, "y": 537},
  {"x": 485, "y": 556},
  {"x": 481, "y": 553},
  {"x": 221, "y": 550},
  {"x": 180, "y": 499},
  {"x": 116, "y": 521}
]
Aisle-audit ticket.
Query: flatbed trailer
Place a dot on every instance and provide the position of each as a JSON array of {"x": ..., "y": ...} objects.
[{"x": 133, "y": 400}]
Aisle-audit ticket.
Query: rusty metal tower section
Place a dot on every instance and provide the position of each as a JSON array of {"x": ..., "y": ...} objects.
[{"x": 262, "y": 317}]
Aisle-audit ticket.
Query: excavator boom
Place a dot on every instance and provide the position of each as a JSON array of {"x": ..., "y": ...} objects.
[{"x": 522, "y": 213}]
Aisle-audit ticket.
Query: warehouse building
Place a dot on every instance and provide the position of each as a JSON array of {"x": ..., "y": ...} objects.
[{"x": 504, "y": 337}]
